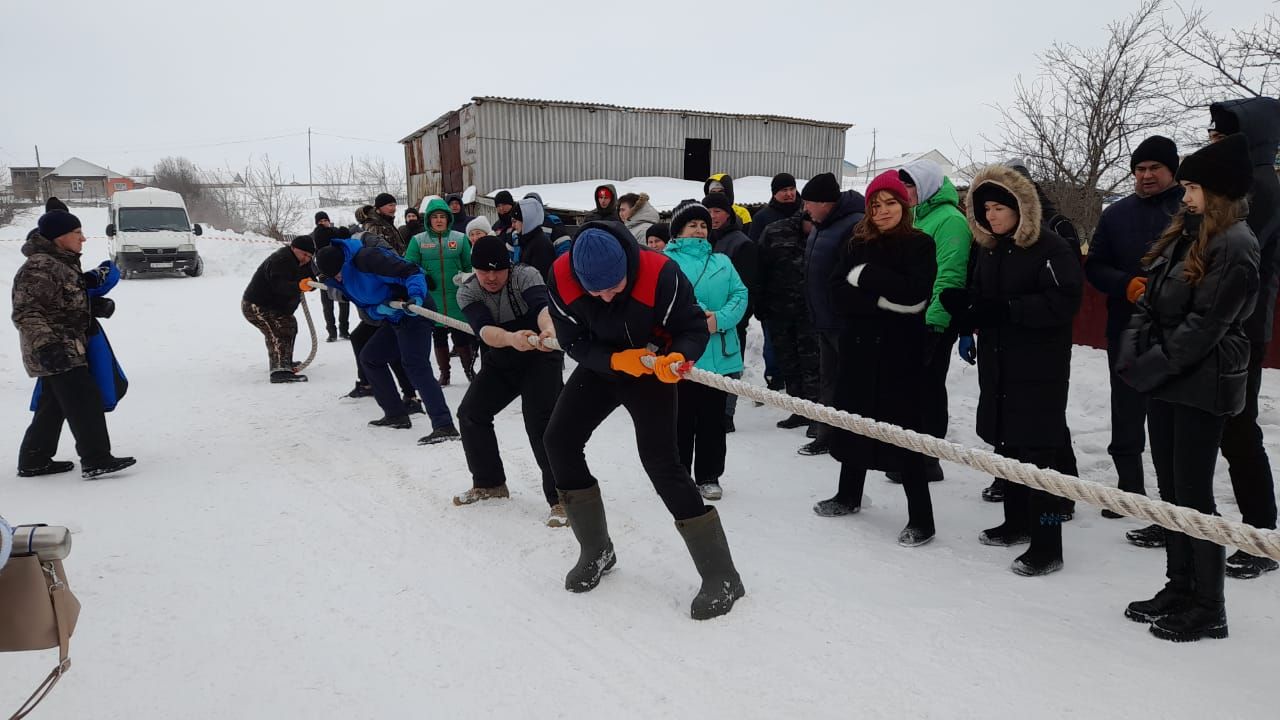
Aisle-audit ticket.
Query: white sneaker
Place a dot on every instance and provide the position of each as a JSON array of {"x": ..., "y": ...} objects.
[{"x": 711, "y": 491}]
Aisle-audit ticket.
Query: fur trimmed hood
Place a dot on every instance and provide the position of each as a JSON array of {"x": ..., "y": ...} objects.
[{"x": 1030, "y": 212}]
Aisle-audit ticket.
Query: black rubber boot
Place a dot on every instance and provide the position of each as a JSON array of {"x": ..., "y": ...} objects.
[
  {"x": 709, "y": 548},
  {"x": 586, "y": 517},
  {"x": 1168, "y": 601}
]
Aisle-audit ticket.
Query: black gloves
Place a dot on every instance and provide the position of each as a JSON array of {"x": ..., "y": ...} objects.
[
  {"x": 102, "y": 307},
  {"x": 969, "y": 312}
]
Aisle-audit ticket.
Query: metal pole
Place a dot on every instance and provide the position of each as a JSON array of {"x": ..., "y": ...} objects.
[
  {"x": 310, "y": 182},
  {"x": 39, "y": 177}
]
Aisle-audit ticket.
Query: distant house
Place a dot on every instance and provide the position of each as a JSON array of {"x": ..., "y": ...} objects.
[
  {"x": 26, "y": 182},
  {"x": 78, "y": 179},
  {"x": 870, "y": 170},
  {"x": 850, "y": 170}
]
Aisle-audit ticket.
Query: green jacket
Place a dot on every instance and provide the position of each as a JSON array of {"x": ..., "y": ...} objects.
[
  {"x": 441, "y": 256},
  {"x": 718, "y": 289},
  {"x": 940, "y": 218}
]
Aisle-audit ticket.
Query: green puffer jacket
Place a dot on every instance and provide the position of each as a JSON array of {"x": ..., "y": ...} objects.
[
  {"x": 441, "y": 256},
  {"x": 718, "y": 289},
  {"x": 940, "y": 218}
]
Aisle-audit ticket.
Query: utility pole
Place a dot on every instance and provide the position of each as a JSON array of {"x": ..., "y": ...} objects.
[
  {"x": 39, "y": 179},
  {"x": 310, "y": 182},
  {"x": 872, "y": 163}
]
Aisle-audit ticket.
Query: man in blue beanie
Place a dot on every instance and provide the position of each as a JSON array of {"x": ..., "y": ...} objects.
[{"x": 626, "y": 314}]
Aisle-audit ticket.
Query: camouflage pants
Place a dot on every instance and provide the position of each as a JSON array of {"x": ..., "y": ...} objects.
[
  {"x": 795, "y": 349},
  {"x": 279, "y": 329}
]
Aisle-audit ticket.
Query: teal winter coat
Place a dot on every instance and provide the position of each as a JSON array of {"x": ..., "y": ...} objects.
[{"x": 718, "y": 289}]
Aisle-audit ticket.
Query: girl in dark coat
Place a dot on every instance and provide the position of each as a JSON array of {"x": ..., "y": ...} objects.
[
  {"x": 882, "y": 284},
  {"x": 1186, "y": 347},
  {"x": 1025, "y": 292}
]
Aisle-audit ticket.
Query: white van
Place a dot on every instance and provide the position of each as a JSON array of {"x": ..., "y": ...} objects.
[{"x": 151, "y": 232}]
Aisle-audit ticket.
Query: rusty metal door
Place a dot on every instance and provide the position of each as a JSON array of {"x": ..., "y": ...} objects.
[{"x": 451, "y": 156}]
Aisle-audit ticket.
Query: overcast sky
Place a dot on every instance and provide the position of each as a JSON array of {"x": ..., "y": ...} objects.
[{"x": 123, "y": 84}]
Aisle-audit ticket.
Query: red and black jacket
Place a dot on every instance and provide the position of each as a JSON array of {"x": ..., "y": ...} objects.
[{"x": 657, "y": 308}]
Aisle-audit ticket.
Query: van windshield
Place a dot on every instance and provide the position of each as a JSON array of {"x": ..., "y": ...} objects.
[{"x": 149, "y": 219}]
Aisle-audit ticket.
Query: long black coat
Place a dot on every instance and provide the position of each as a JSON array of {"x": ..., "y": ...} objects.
[
  {"x": 1024, "y": 361},
  {"x": 883, "y": 347},
  {"x": 1187, "y": 344},
  {"x": 274, "y": 285}
]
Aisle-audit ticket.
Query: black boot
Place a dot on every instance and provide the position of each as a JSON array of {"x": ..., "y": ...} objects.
[
  {"x": 442, "y": 361},
  {"x": 467, "y": 354},
  {"x": 812, "y": 432},
  {"x": 709, "y": 548},
  {"x": 994, "y": 492},
  {"x": 1045, "y": 514},
  {"x": 1194, "y": 623},
  {"x": 1168, "y": 601},
  {"x": 439, "y": 435},
  {"x": 1243, "y": 566},
  {"x": 817, "y": 447},
  {"x": 1013, "y": 531},
  {"x": 115, "y": 464},
  {"x": 413, "y": 406},
  {"x": 1151, "y": 536},
  {"x": 333, "y": 336},
  {"x": 586, "y": 518},
  {"x": 53, "y": 467},
  {"x": 920, "y": 528},
  {"x": 398, "y": 422},
  {"x": 286, "y": 376},
  {"x": 794, "y": 421},
  {"x": 360, "y": 390}
]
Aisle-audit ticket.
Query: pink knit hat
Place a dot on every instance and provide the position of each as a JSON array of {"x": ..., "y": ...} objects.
[{"x": 889, "y": 180}]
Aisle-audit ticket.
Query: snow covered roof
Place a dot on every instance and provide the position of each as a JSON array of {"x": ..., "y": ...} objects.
[
  {"x": 871, "y": 170},
  {"x": 664, "y": 193},
  {"x": 75, "y": 167}
]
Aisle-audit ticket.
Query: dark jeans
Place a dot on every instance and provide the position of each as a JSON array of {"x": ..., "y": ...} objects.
[
  {"x": 409, "y": 341},
  {"x": 1035, "y": 511},
  {"x": 344, "y": 313},
  {"x": 937, "y": 415},
  {"x": 1184, "y": 447},
  {"x": 828, "y": 374},
  {"x": 700, "y": 431},
  {"x": 1128, "y": 428},
  {"x": 1247, "y": 462},
  {"x": 278, "y": 329},
  {"x": 72, "y": 396},
  {"x": 359, "y": 337},
  {"x": 587, "y": 399},
  {"x": 532, "y": 376}
]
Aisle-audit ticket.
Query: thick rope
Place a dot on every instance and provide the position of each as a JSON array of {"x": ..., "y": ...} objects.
[
  {"x": 1255, "y": 541},
  {"x": 311, "y": 325}
]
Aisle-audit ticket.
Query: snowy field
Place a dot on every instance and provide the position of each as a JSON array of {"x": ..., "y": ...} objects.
[{"x": 270, "y": 556}]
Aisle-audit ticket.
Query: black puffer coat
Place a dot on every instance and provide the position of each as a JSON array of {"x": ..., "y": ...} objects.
[
  {"x": 883, "y": 348},
  {"x": 1024, "y": 361},
  {"x": 1186, "y": 344}
]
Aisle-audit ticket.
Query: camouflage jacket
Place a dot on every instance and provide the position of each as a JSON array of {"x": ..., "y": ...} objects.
[
  {"x": 780, "y": 296},
  {"x": 50, "y": 309}
]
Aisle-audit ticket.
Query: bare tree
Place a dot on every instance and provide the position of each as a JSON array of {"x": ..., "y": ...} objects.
[
  {"x": 378, "y": 176},
  {"x": 1238, "y": 63},
  {"x": 271, "y": 210},
  {"x": 8, "y": 203},
  {"x": 1076, "y": 124},
  {"x": 223, "y": 200},
  {"x": 180, "y": 175}
]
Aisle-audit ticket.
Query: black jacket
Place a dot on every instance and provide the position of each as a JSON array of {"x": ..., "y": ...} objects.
[
  {"x": 408, "y": 230},
  {"x": 1259, "y": 120},
  {"x": 537, "y": 251},
  {"x": 1125, "y": 232},
  {"x": 744, "y": 254},
  {"x": 1186, "y": 344},
  {"x": 657, "y": 307},
  {"x": 769, "y": 214},
  {"x": 1024, "y": 357},
  {"x": 822, "y": 250},
  {"x": 274, "y": 285},
  {"x": 883, "y": 347},
  {"x": 780, "y": 279}
]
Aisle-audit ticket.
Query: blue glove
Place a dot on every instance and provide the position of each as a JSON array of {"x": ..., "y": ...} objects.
[
  {"x": 101, "y": 279},
  {"x": 967, "y": 350},
  {"x": 386, "y": 312},
  {"x": 415, "y": 301}
]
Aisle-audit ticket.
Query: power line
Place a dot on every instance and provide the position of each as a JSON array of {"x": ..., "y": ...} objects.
[{"x": 357, "y": 139}]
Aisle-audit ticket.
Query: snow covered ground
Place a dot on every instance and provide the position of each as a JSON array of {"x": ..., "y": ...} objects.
[{"x": 270, "y": 556}]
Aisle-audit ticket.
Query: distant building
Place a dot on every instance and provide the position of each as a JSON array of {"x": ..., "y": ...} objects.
[
  {"x": 26, "y": 182},
  {"x": 78, "y": 179},
  {"x": 495, "y": 143},
  {"x": 870, "y": 170}
]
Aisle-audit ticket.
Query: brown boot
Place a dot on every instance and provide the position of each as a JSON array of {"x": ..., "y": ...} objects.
[
  {"x": 467, "y": 354},
  {"x": 442, "y": 360}
]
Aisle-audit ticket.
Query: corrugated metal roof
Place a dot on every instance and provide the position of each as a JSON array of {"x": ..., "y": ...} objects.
[{"x": 480, "y": 100}]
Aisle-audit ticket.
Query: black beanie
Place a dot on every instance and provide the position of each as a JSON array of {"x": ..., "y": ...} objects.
[
  {"x": 782, "y": 181},
  {"x": 1223, "y": 167},
  {"x": 330, "y": 260},
  {"x": 322, "y": 215},
  {"x": 54, "y": 203},
  {"x": 661, "y": 231},
  {"x": 719, "y": 201},
  {"x": 989, "y": 191},
  {"x": 503, "y": 198},
  {"x": 1156, "y": 148},
  {"x": 411, "y": 210},
  {"x": 322, "y": 235},
  {"x": 822, "y": 188},
  {"x": 56, "y": 223},
  {"x": 688, "y": 212},
  {"x": 305, "y": 243},
  {"x": 1224, "y": 121},
  {"x": 383, "y": 199},
  {"x": 490, "y": 253}
]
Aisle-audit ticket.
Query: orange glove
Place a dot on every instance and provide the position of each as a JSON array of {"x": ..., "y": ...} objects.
[
  {"x": 662, "y": 367},
  {"x": 305, "y": 285},
  {"x": 1137, "y": 288},
  {"x": 628, "y": 361}
]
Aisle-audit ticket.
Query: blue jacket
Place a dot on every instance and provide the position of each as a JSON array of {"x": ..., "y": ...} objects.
[
  {"x": 821, "y": 254},
  {"x": 719, "y": 289},
  {"x": 1124, "y": 234},
  {"x": 375, "y": 276}
]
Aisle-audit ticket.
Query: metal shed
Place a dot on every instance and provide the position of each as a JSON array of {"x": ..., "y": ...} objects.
[{"x": 495, "y": 143}]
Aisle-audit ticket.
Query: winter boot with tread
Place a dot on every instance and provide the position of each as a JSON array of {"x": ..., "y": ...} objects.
[
  {"x": 709, "y": 548},
  {"x": 585, "y": 510}
]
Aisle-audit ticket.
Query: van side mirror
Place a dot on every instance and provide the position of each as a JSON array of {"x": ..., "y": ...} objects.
[
  {"x": 195, "y": 230},
  {"x": 111, "y": 230}
]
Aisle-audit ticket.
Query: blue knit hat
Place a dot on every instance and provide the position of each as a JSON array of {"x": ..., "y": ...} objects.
[{"x": 598, "y": 260}]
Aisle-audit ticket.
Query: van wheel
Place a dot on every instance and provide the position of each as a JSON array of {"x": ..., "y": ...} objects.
[{"x": 196, "y": 270}]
